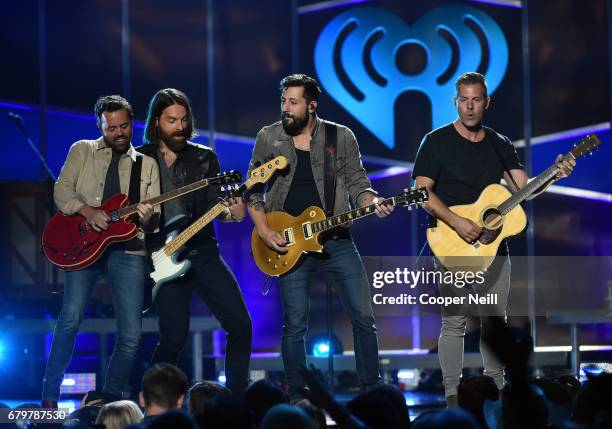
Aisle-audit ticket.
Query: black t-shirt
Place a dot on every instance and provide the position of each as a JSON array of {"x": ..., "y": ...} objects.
[
  {"x": 460, "y": 168},
  {"x": 303, "y": 192}
]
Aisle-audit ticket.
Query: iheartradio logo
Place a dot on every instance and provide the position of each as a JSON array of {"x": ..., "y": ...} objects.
[{"x": 356, "y": 60}]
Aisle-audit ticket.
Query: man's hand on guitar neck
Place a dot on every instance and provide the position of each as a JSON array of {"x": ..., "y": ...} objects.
[
  {"x": 97, "y": 219},
  {"x": 565, "y": 167},
  {"x": 381, "y": 210}
]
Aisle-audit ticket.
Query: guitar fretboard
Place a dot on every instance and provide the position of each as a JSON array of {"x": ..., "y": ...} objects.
[
  {"x": 130, "y": 210},
  {"x": 180, "y": 240},
  {"x": 346, "y": 217},
  {"x": 534, "y": 185},
  {"x": 185, "y": 235}
]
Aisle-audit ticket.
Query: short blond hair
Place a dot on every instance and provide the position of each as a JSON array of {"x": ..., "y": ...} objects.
[{"x": 119, "y": 414}]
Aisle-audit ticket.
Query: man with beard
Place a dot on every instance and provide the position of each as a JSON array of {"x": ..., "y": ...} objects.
[
  {"x": 94, "y": 171},
  {"x": 301, "y": 137},
  {"x": 455, "y": 163},
  {"x": 169, "y": 126}
]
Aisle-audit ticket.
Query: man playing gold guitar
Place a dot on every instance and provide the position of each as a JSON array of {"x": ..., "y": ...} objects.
[
  {"x": 456, "y": 162},
  {"x": 304, "y": 139}
]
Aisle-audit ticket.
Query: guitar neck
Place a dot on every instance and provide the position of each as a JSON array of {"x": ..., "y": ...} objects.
[
  {"x": 533, "y": 186},
  {"x": 185, "y": 235},
  {"x": 130, "y": 210},
  {"x": 180, "y": 240},
  {"x": 346, "y": 217}
]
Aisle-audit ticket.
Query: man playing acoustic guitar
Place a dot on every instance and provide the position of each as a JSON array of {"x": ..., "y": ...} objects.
[
  {"x": 456, "y": 162},
  {"x": 303, "y": 138},
  {"x": 95, "y": 171}
]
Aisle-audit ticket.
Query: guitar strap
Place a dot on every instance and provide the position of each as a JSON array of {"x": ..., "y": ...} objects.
[
  {"x": 134, "y": 192},
  {"x": 503, "y": 162},
  {"x": 329, "y": 166}
]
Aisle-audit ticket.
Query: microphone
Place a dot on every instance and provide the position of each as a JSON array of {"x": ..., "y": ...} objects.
[{"x": 15, "y": 117}]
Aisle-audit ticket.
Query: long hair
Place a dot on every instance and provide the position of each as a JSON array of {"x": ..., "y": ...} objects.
[{"x": 162, "y": 99}]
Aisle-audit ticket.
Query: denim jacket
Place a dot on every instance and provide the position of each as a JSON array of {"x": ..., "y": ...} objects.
[{"x": 351, "y": 178}]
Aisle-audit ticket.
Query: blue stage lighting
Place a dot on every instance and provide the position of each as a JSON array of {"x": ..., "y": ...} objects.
[
  {"x": 1, "y": 350},
  {"x": 321, "y": 349}
]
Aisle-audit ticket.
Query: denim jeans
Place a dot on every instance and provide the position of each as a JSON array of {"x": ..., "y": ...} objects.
[
  {"x": 213, "y": 281},
  {"x": 344, "y": 270},
  {"x": 125, "y": 273}
]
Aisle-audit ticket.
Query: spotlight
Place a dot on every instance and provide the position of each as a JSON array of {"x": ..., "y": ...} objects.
[
  {"x": 408, "y": 379},
  {"x": 321, "y": 349},
  {"x": 319, "y": 345},
  {"x": 594, "y": 369},
  {"x": 222, "y": 379}
]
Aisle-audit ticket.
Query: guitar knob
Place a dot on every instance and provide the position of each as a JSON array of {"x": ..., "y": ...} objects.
[
  {"x": 277, "y": 256},
  {"x": 285, "y": 263},
  {"x": 269, "y": 260},
  {"x": 275, "y": 266}
]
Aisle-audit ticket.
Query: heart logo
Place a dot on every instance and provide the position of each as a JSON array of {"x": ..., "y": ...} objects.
[{"x": 355, "y": 60}]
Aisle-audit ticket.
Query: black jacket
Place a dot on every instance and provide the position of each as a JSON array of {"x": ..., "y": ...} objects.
[{"x": 194, "y": 163}]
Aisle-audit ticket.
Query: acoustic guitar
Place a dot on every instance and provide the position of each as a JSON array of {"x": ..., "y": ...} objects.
[{"x": 500, "y": 215}]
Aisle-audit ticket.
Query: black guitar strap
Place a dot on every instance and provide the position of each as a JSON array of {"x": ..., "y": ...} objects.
[
  {"x": 329, "y": 166},
  {"x": 503, "y": 162},
  {"x": 134, "y": 192}
]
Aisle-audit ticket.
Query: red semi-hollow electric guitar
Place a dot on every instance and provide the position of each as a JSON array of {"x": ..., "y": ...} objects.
[{"x": 71, "y": 244}]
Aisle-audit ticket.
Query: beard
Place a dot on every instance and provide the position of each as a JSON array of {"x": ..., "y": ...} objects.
[
  {"x": 176, "y": 141},
  {"x": 117, "y": 145},
  {"x": 296, "y": 124}
]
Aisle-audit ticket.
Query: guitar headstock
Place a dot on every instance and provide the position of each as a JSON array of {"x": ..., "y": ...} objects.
[
  {"x": 233, "y": 191},
  {"x": 586, "y": 146},
  {"x": 224, "y": 179},
  {"x": 412, "y": 196},
  {"x": 264, "y": 172}
]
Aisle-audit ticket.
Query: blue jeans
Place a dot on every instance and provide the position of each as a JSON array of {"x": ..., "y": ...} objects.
[
  {"x": 343, "y": 269},
  {"x": 125, "y": 273}
]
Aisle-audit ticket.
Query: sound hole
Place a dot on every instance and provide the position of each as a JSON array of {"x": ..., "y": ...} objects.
[{"x": 493, "y": 222}]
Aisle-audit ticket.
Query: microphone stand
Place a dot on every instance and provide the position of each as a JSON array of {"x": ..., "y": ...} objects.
[{"x": 50, "y": 180}]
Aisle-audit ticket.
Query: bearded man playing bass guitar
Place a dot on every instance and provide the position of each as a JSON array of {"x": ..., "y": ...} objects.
[
  {"x": 302, "y": 137},
  {"x": 456, "y": 162},
  {"x": 95, "y": 171},
  {"x": 169, "y": 127}
]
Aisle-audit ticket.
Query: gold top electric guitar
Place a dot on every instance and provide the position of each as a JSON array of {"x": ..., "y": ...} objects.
[{"x": 301, "y": 233}]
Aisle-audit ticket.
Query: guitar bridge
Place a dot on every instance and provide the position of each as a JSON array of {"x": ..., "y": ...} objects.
[{"x": 289, "y": 237}]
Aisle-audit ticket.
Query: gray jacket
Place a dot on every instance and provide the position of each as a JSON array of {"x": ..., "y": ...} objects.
[{"x": 351, "y": 178}]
